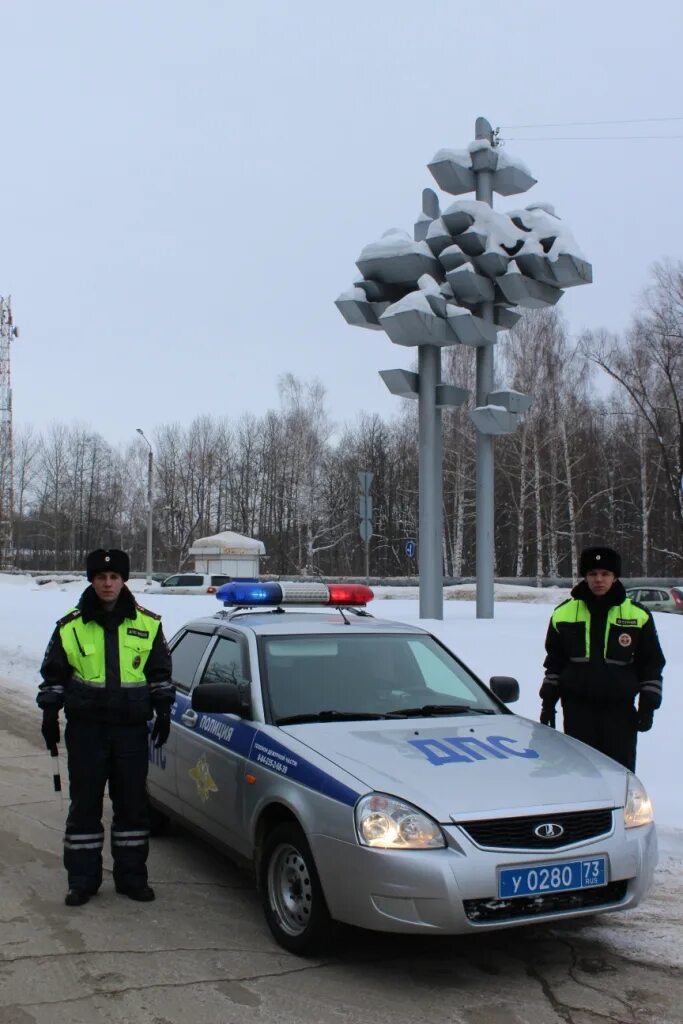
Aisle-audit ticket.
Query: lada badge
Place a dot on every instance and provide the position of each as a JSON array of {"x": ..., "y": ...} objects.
[{"x": 549, "y": 830}]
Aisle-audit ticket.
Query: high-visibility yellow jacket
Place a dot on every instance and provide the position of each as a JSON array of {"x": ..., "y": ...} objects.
[
  {"x": 602, "y": 652},
  {"x": 113, "y": 667}
]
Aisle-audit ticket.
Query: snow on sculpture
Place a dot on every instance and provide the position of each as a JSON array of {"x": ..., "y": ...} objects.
[{"x": 524, "y": 257}]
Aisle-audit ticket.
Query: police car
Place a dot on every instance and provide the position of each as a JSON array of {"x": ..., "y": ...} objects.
[{"x": 370, "y": 778}]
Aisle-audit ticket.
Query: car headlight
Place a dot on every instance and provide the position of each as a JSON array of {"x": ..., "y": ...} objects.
[
  {"x": 637, "y": 808},
  {"x": 388, "y": 823}
]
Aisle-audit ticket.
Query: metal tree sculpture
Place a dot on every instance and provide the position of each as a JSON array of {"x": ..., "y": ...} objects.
[{"x": 456, "y": 282}]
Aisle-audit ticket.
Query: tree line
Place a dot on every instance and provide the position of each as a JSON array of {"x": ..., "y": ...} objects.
[{"x": 598, "y": 457}]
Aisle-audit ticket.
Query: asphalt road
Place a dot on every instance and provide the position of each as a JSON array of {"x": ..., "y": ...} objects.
[{"x": 201, "y": 953}]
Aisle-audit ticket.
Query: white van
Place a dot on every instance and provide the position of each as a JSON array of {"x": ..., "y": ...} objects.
[{"x": 190, "y": 583}]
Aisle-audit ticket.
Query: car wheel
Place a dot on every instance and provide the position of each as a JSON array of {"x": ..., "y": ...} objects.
[{"x": 293, "y": 899}]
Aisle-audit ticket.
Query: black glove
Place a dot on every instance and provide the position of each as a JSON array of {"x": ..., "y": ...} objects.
[
  {"x": 50, "y": 727},
  {"x": 161, "y": 727},
  {"x": 548, "y": 715},
  {"x": 645, "y": 719}
]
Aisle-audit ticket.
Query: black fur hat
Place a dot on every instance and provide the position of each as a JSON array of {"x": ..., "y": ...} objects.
[
  {"x": 112, "y": 560},
  {"x": 600, "y": 558}
]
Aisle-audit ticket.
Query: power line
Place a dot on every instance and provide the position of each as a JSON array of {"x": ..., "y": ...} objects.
[
  {"x": 587, "y": 138},
  {"x": 583, "y": 138},
  {"x": 583, "y": 124}
]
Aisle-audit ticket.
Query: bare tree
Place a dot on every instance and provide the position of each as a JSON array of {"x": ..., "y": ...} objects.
[{"x": 648, "y": 365}]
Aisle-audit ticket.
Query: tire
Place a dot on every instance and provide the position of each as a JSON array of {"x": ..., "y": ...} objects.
[{"x": 293, "y": 900}]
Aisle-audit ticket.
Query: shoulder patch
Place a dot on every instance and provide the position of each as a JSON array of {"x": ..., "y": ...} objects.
[
  {"x": 146, "y": 611},
  {"x": 75, "y": 613}
]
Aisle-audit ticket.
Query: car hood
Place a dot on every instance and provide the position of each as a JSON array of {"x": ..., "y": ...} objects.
[{"x": 467, "y": 767}]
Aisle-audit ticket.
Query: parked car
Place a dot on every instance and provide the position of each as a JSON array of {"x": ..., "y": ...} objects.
[
  {"x": 658, "y": 599},
  {"x": 190, "y": 583},
  {"x": 369, "y": 777}
]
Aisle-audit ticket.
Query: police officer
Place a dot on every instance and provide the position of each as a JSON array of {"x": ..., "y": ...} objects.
[
  {"x": 108, "y": 665},
  {"x": 602, "y": 652}
]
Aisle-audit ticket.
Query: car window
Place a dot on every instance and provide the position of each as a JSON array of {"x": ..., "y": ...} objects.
[
  {"x": 172, "y": 581},
  {"x": 190, "y": 581},
  {"x": 186, "y": 655},
  {"x": 218, "y": 581},
  {"x": 648, "y": 595},
  {"x": 225, "y": 664},
  {"x": 437, "y": 670},
  {"x": 663, "y": 595},
  {"x": 365, "y": 674}
]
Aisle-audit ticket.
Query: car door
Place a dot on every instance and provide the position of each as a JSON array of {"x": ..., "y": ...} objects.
[
  {"x": 189, "y": 583},
  {"x": 664, "y": 601},
  {"x": 169, "y": 584},
  {"x": 211, "y": 760},
  {"x": 187, "y": 650}
]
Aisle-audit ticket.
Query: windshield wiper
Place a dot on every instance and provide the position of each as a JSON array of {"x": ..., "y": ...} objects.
[
  {"x": 329, "y": 716},
  {"x": 439, "y": 709}
]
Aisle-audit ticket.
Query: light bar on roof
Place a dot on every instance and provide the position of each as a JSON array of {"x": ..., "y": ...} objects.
[{"x": 250, "y": 593}]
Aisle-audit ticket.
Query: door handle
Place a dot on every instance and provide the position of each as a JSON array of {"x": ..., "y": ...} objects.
[{"x": 189, "y": 717}]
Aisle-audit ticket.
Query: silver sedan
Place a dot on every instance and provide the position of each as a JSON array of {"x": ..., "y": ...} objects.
[{"x": 368, "y": 777}]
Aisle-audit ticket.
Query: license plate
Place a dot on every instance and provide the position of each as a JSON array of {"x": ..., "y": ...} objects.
[{"x": 561, "y": 876}]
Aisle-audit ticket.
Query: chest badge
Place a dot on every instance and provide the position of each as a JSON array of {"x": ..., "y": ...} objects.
[
  {"x": 625, "y": 640},
  {"x": 136, "y": 661},
  {"x": 202, "y": 779}
]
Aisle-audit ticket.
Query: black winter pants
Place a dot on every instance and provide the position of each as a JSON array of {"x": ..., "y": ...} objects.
[
  {"x": 118, "y": 754},
  {"x": 609, "y": 728}
]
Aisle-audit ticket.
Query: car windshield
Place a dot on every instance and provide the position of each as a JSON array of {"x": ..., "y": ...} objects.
[{"x": 323, "y": 678}]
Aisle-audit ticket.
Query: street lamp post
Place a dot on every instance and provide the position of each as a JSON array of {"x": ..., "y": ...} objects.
[{"x": 150, "y": 472}]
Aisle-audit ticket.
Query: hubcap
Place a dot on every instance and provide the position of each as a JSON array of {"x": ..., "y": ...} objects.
[{"x": 290, "y": 892}]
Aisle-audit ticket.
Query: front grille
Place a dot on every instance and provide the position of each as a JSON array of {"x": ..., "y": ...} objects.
[
  {"x": 518, "y": 833},
  {"x": 479, "y": 911}
]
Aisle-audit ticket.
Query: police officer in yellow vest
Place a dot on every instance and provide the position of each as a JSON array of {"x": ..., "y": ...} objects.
[
  {"x": 109, "y": 667},
  {"x": 602, "y": 653}
]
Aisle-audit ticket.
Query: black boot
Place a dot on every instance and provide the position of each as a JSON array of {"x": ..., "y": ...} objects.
[
  {"x": 77, "y": 897},
  {"x": 143, "y": 894}
]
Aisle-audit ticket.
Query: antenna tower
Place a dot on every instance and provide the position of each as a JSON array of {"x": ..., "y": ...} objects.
[{"x": 7, "y": 332}]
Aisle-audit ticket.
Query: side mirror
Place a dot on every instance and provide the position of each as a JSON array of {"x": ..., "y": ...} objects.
[
  {"x": 222, "y": 698},
  {"x": 505, "y": 688}
]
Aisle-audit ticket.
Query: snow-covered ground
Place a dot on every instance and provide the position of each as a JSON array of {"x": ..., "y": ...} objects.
[{"x": 510, "y": 644}]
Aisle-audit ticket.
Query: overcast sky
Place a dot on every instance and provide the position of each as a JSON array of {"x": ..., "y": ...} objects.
[{"x": 185, "y": 187}]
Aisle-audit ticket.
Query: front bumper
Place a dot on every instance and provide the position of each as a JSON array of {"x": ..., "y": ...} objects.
[{"x": 454, "y": 890}]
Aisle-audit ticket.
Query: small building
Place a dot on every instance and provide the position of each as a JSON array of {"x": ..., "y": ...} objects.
[{"x": 228, "y": 553}]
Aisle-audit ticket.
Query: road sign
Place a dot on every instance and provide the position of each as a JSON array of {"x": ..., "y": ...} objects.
[
  {"x": 365, "y": 480},
  {"x": 365, "y": 530},
  {"x": 410, "y": 548},
  {"x": 365, "y": 506}
]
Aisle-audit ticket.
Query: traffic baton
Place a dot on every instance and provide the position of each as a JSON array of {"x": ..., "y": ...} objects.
[{"x": 56, "y": 777}]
